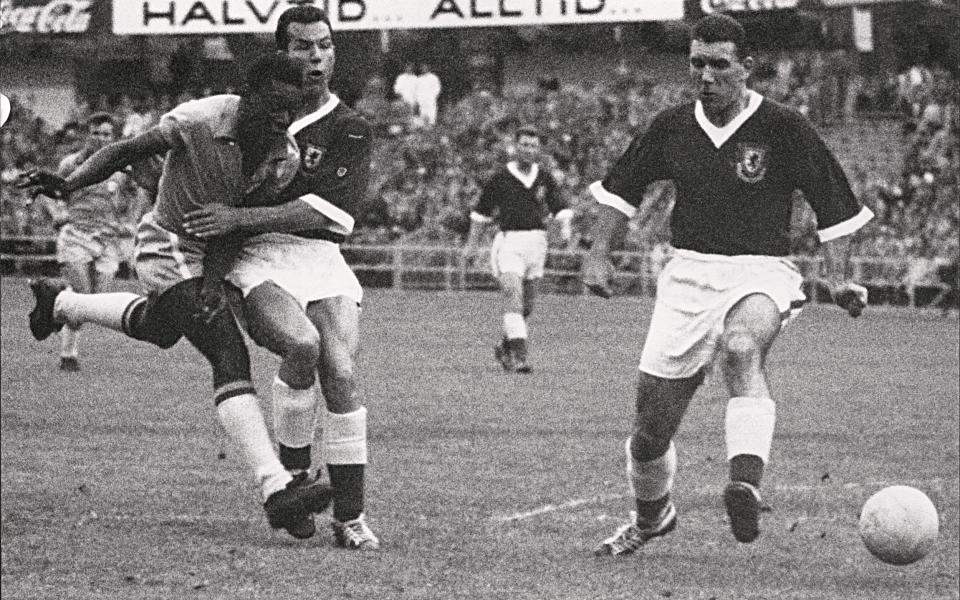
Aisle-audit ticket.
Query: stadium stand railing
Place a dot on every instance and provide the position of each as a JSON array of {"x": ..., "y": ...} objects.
[{"x": 891, "y": 282}]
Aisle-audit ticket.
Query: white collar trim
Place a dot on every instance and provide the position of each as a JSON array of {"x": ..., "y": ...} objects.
[
  {"x": 719, "y": 135},
  {"x": 526, "y": 179},
  {"x": 315, "y": 116}
]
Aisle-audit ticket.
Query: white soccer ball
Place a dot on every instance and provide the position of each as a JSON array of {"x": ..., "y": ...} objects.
[{"x": 899, "y": 524}]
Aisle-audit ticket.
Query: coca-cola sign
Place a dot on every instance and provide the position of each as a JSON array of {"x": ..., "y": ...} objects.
[{"x": 55, "y": 16}]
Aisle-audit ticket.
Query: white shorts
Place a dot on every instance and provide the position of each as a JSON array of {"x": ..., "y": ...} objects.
[
  {"x": 521, "y": 252},
  {"x": 694, "y": 294},
  {"x": 306, "y": 268},
  {"x": 163, "y": 258},
  {"x": 78, "y": 246}
]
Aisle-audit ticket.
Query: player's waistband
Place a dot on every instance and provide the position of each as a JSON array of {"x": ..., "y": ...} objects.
[
  {"x": 321, "y": 234},
  {"x": 737, "y": 259}
]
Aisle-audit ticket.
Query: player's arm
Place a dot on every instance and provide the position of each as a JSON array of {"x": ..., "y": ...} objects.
[
  {"x": 310, "y": 203},
  {"x": 103, "y": 163},
  {"x": 561, "y": 213},
  {"x": 619, "y": 195},
  {"x": 839, "y": 216},
  {"x": 481, "y": 217}
]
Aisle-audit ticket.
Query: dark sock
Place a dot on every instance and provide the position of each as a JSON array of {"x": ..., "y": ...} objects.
[
  {"x": 518, "y": 347},
  {"x": 746, "y": 467},
  {"x": 649, "y": 510},
  {"x": 295, "y": 459},
  {"x": 347, "y": 483}
]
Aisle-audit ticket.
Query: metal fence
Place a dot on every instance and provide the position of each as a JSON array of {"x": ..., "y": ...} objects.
[{"x": 900, "y": 282}]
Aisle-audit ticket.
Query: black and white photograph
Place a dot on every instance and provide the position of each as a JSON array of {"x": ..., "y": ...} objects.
[{"x": 480, "y": 299}]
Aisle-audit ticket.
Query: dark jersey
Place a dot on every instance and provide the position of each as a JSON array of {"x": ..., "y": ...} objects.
[
  {"x": 734, "y": 185},
  {"x": 519, "y": 201},
  {"x": 335, "y": 145}
]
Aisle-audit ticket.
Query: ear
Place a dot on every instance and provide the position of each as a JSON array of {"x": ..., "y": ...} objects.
[{"x": 747, "y": 63}]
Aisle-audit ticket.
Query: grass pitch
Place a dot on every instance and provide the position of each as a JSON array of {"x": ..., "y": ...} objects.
[{"x": 117, "y": 482}]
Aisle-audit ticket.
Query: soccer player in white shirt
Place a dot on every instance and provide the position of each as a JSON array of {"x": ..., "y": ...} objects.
[{"x": 736, "y": 159}]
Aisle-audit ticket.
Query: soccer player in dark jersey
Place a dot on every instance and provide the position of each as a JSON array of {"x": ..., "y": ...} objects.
[
  {"x": 735, "y": 159},
  {"x": 218, "y": 148},
  {"x": 518, "y": 198},
  {"x": 301, "y": 300}
]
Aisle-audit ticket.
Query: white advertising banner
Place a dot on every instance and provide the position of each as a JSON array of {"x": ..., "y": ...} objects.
[{"x": 146, "y": 17}]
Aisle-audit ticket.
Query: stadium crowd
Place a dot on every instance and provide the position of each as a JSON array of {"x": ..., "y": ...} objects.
[{"x": 427, "y": 178}]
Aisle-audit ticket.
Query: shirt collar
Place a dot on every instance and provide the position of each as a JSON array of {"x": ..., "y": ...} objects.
[
  {"x": 526, "y": 179},
  {"x": 315, "y": 116},
  {"x": 719, "y": 135}
]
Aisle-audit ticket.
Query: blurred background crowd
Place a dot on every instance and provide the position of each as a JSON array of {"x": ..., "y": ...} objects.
[{"x": 902, "y": 158}]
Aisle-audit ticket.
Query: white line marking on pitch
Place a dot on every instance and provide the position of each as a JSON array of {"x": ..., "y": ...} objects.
[{"x": 935, "y": 485}]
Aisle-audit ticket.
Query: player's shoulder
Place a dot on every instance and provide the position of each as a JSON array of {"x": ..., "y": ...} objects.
[
  {"x": 782, "y": 115},
  {"x": 351, "y": 122}
]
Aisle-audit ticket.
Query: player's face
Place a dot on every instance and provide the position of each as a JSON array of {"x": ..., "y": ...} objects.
[
  {"x": 99, "y": 136},
  {"x": 528, "y": 148},
  {"x": 718, "y": 75},
  {"x": 312, "y": 44}
]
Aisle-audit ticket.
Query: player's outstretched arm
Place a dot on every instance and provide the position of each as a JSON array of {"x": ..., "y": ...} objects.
[
  {"x": 596, "y": 265},
  {"x": 104, "y": 163},
  {"x": 846, "y": 294}
]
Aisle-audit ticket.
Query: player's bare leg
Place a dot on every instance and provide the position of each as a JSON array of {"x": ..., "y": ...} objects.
[
  {"x": 345, "y": 420},
  {"x": 750, "y": 328},
  {"x": 276, "y": 321},
  {"x": 514, "y": 325},
  {"x": 651, "y": 460}
]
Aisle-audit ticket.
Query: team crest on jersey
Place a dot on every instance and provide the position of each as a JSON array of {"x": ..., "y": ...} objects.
[
  {"x": 751, "y": 162},
  {"x": 312, "y": 156},
  {"x": 541, "y": 193}
]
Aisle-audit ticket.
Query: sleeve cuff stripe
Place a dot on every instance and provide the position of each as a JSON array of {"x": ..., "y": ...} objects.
[
  {"x": 846, "y": 227},
  {"x": 612, "y": 200},
  {"x": 335, "y": 214},
  {"x": 478, "y": 218}
]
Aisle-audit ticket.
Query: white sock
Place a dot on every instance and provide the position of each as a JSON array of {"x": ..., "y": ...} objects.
[
  {"x": 345, "y": 438},
  {"x": 294, "y": 414},
  {"x": 243, "y": 422},
  {"x": 749, "y": 426},
  {"x": 514, "y": 326},
  {"x": 106, "y": 309},
  {"x": 69, "y": 342},
  {"x": 651, "y": 479}
]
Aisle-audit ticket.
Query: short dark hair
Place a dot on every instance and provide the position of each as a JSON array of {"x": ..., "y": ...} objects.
[
  {"x": 272, "y": 66},
  {"x": 303, "y": 13},
  {"x": 721, "y": 28},
  {"x": 526, "y": 131},
  {"x": 99, "y": 118}
]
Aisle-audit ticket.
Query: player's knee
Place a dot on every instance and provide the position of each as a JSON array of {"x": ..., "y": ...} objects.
[
  {"x": 740, "y": 350},
  {"x": 303, "y": 348}
]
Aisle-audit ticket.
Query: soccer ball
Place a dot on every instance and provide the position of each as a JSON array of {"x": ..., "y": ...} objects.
[{"x": 899, "y": 524}]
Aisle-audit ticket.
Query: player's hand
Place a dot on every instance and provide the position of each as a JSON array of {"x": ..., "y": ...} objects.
[
  {"x": 851, "y": 297},
  {"x": 36, "y": 182},
  {"x": 596, "y": 274},
  {"x": 212, "y": 220}
]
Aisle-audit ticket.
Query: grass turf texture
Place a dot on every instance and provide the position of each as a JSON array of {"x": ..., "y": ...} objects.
[{"x": 482, "y": 485}]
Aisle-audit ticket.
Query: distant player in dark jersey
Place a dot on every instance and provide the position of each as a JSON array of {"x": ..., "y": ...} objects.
[
  {"x": 93, "y": 225},
  {"x": 518, "y": 198},
  {"x": 221, "y": 149},
  {"x": 735, "y": 158},
  {"x": 301, "y": 300}
]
